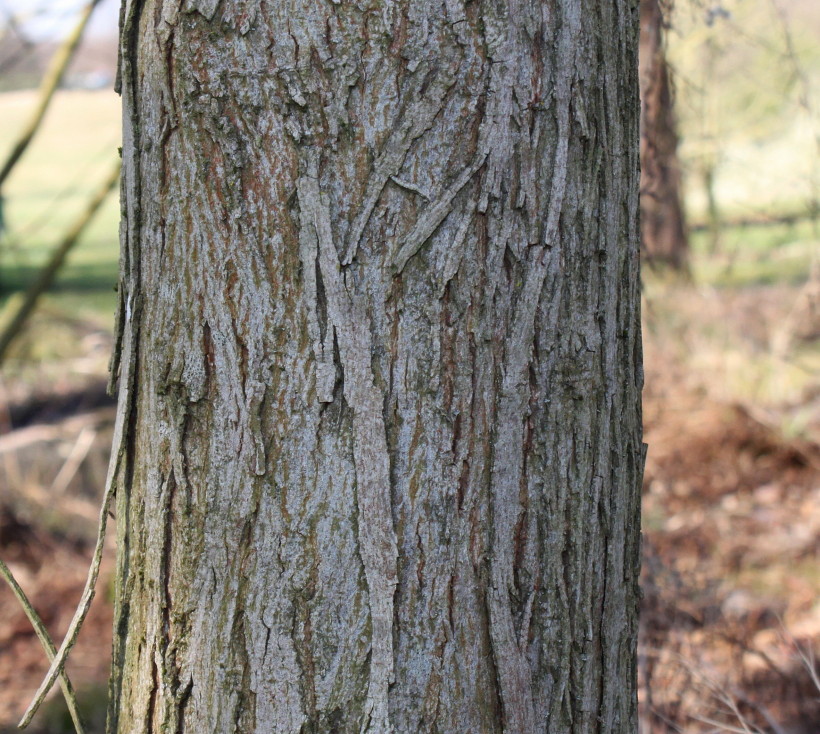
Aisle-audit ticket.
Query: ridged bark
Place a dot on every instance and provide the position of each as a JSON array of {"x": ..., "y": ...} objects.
[{"x": 380, "y": 367}]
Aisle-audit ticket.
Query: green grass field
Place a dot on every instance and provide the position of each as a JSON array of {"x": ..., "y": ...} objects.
[
  {"x": 72, "y": 153},
  {"x": 755, "y": 255}
]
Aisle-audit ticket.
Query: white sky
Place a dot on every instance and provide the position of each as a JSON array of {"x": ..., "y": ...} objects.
[{"x": 43, "y": 19}]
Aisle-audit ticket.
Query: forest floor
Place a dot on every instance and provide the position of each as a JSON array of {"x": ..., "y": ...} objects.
[
  {"x": 731, "y": 571},
  {"x": 731, "y": 515}
]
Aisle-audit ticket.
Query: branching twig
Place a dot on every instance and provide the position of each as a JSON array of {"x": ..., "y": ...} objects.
[
  {"x": 79, "y": 616},
  {"x": 48, "y": 645}
]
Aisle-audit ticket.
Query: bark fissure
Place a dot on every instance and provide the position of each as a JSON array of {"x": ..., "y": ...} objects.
[
  {"x": 375, "y": 524},
  {"x": 413, "y": 123},
  {"x": 379, "y": 386},
  {"x": 433, "y": 216}
]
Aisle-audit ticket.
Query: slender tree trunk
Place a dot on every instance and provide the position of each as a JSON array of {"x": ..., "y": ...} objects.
[
  {"x": 663, "y": 225},
  {"x": 713, "y": 218},
  {"x": 379, "y": 367}
]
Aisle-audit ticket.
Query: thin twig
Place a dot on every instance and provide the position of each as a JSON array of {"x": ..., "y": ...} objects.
[
  {"x": 51, "y": 80},
  {"x": 48, "y": 645},
  {"x": 807, "y": 658},
  {"x": 74, "y": 461},
  {"x": 808, "y": 661},
  {"x": 79, "y": 616},
  {"x": 723, "y": 726}
]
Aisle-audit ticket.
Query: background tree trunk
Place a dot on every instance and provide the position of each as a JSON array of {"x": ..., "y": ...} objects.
[
  {"x": 663, "y": 225},
  {"x": 379, "y": 367}
]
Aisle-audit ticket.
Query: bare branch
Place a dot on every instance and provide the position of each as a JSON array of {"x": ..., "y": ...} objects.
[
  {"x": 51, "y": 80},
  {"x": 48, "y": 645}
]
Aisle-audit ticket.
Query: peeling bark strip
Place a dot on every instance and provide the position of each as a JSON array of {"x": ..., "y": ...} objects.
[
  {"x": 377, "y": 541},
  {"x": 379, "y": 359}
]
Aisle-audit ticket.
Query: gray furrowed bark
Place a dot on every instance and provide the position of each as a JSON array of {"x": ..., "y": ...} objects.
[{"x": 380, "y": 357}]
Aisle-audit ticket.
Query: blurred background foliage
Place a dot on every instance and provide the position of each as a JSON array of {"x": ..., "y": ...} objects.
[
  {"x": 748, "y": 104},
  {"x": 731, "y": 326}
]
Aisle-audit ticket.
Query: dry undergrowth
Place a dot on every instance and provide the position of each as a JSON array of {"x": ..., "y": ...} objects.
[
  {"x": 731, "y": 579},
  {"x": 731, "y": 526}
]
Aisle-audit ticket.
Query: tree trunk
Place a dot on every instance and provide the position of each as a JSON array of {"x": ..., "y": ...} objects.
[
  {"x": 379, "y": 367},
  {"x": 663, "y": 229}
]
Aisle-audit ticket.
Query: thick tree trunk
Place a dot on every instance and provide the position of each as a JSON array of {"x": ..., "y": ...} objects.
[
  {"x": 379, "y": 367},
  {"x": 663, "y": 225}
]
